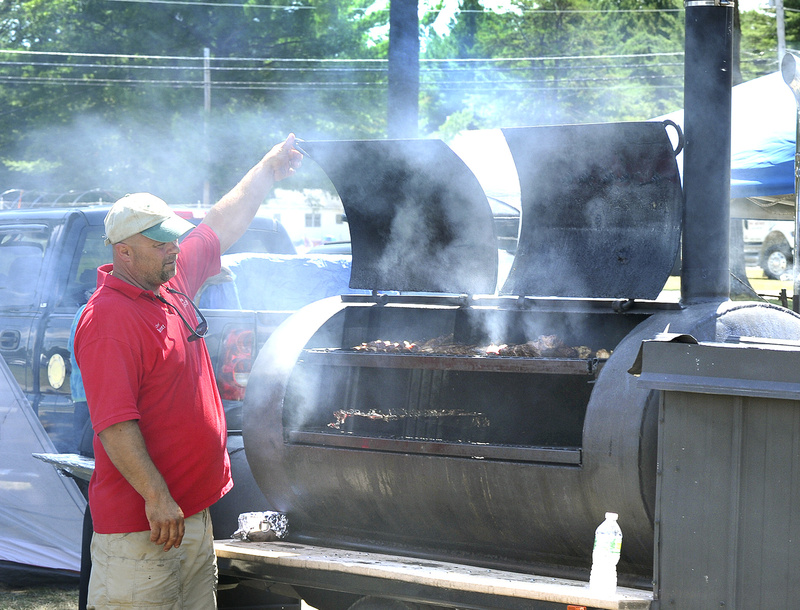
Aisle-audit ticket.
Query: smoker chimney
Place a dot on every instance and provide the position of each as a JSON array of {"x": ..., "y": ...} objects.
[{"x": 707, "y": 154}]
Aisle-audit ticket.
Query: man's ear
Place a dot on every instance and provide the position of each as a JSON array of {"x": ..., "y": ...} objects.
[{"x": 123, "y": 251}]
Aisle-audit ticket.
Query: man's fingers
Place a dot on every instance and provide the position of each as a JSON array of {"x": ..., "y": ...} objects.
[
  {"x": 158, "y": 533},
  {"x": 170, "y": 535},
  {"x": 285, "y": 159},
  {"x": 179, "y": 538}
]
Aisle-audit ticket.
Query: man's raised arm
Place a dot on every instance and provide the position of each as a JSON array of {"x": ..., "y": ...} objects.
[{"x": 231, "y": 215}]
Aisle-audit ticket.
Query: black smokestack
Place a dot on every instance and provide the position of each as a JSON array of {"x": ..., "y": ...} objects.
[
  {"x": 403, "y": 94},
  {"x": 707, "y": 153}
]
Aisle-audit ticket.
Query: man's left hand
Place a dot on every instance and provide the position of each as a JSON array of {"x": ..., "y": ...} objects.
[{"x": 284, "y": 159}]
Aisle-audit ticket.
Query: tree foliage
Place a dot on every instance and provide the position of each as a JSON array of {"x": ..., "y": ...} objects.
[
  {"x": 760, "y": 39},
  {"x": 121, "y": 103},
  {"x": 110, "y": 93},
  {"x": 573, "y": 61}
]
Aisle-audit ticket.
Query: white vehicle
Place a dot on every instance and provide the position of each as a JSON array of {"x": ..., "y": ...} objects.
[{"x": 769, "y": 244}]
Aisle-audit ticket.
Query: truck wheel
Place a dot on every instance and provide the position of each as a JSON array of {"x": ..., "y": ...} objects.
[
  {"x": 379, "y": 603},
  {"x": 776, "y": 260}
]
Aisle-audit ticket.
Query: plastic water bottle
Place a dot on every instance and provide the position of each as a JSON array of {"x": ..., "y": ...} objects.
[{"x": 605, "y": 556}]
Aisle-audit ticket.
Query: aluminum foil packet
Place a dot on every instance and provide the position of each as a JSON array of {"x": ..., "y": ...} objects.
[{"x": 262, "y": 526}]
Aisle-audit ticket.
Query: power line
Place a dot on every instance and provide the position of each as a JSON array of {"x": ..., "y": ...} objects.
[
  {"x": 337, "y": 60},
  {"x": 556, "y": 57},
  {"x": 771, "y": 9},
  {"x": 431, "y": 74},
  {"x": 288, "y": 85},
  {"x": 220, "y": 4},
  {"x": 50, "y": 64},
  {"x": 381, "y": 10},
  {"x": 545, "y": 11},
  {"x": 427, "y": 68},
  {"x": 430, "y": 69},
  {"x": 179, "y": 57},
  {"x": 468, "y": 86}
]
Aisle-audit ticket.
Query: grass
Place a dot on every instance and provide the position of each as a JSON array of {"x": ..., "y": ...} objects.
[
  {"x": 39, "y": 596},
  {"x": 768, "y": 289},
  {"x": 30, "y": 588}
]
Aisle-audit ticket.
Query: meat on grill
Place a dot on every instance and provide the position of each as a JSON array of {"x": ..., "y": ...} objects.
[{"x": 545, "y": 346}]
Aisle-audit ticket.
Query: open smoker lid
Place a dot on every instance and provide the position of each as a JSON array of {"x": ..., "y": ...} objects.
[
  {"x": 419, "y": 220},
  {"x": 601, "y": 210}
]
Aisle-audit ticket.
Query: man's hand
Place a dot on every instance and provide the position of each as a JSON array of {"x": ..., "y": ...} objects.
[
  {"x": 126, "y": 448},
  {"x": 283, "y": 159},
  {"x": 166, "y": 522},
  {"x": 232, "y": 214}
]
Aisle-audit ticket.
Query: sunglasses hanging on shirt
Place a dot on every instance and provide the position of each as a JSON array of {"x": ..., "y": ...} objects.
[{"x": 202, "y": 327}]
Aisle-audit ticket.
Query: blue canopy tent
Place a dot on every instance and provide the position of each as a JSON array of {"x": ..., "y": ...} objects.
[
  {"x": 764, "y": 116},
  {"x": 763, "y": 124}
]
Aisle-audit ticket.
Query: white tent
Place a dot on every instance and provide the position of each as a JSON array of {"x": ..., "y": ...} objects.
[
  {"x": 763, "y": 123},
  {"x": 41, "y": 511}
]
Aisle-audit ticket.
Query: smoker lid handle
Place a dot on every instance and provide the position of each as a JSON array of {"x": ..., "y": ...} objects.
[{"x": 679, "y": 131}]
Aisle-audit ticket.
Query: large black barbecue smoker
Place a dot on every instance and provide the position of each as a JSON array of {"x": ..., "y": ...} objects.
[{"x": 440, "y": 417}]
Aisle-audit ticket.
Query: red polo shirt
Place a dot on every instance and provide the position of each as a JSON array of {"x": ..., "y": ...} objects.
[{"x": 138, "y": 365}]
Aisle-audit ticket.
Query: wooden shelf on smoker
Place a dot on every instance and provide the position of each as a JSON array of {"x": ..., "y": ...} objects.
[
  {"x": 488, "y": 364},
  {"x": 425, "y": 580},
  {"x": 509, "y": 453}
]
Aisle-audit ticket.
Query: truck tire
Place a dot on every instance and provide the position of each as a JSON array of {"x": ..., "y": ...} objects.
[{"x": 776, "y": 260}]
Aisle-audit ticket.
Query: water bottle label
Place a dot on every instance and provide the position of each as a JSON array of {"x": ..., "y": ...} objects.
[
  {"x": 613, "y": 545},
  {"x": 607, "y": 546}
]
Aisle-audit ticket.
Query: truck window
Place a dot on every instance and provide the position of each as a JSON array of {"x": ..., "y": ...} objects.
[
  {"x": 22, "y": 251},
  {"x": 256, "y": 240},
  {"x": 83, "y": 272}
]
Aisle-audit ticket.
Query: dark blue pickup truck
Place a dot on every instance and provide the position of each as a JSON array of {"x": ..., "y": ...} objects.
[{"x": 48, "y": 262}]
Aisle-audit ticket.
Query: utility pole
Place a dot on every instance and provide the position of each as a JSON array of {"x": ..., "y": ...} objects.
[
  {"x": 779, "y": 22},
  {"x": 206, "y": 115}
]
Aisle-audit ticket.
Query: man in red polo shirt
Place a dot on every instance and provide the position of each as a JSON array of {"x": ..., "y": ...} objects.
[{"x": 160, "y": 457}]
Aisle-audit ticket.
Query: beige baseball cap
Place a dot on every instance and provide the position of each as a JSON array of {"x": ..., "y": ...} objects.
[{"x": 146, "y": 214}]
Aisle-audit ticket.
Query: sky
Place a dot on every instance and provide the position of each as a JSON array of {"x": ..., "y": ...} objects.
[
  {"x": 751, "y": 5},
  {"x": 442, "y": 22},
  {"x": 449, "y": 7}
]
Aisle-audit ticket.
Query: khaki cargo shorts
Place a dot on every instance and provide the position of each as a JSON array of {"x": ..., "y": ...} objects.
[{"x": 129, "y": 571}]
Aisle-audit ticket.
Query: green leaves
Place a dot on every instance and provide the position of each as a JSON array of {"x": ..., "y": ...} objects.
[
  {"x": 120, "y": 101},
  {"x": 570, "y": 61},
  {"x": 111, "y": 93}
]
